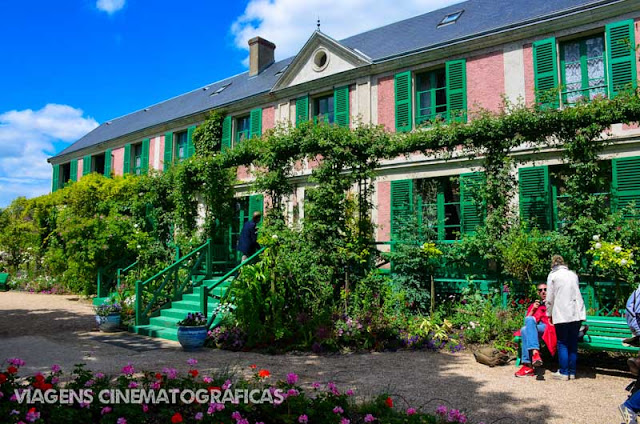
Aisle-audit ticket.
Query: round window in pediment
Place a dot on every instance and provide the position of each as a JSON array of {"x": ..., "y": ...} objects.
[{"x": 320, "y": 60}]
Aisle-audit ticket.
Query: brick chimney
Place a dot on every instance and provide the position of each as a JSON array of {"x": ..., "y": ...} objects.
[{"x": 260, "y": 55}]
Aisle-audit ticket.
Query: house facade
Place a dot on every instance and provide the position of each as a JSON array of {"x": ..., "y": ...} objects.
[{"x": 447, "y": 64}]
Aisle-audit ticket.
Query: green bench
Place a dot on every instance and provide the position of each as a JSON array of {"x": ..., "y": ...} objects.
[
  {"x": 4, "y": 278},
  {"x": 604, "y": 334}
]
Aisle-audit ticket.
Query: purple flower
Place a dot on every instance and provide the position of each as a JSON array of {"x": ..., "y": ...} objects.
[
  {"x": 155, "y": 385},
  {"x": 16, "y": 362},
  {"x": 55, "y": 380},
  {"x": 199, "y": 416},
  {"x": 128, "y": 369},
  {"x": 338, "y": 410},
  {"x": 89, "y": 383},
  {"x": 369, "y": 418},
  {"x": 292, "y": 392},
  {"x": 122, "y": 420},
  {"x": 316, "y": 385},
  {"x": 303, "y": 419},
  {"x": 236, "y": 415},
  {"x": 133, "y": 385},
  {"x": 14, "y": 412},
  {"x": 32, "y": 415},
  {"x": 226, "y": 385},
  {"x": 105, "y": 410},
  {"x": 192, "y": 361},
  {"x": 411, "y": 411},
  {"x": 292, "y": 378},
  {"x": 345, "y": 421},
  {"x": 441, "y": 410},
  {"x": 99, "y": 375},
  {"x": 55, "y": 368},
  {"x": 349, "y": 392},
  {"x": 172, "y": 373}
]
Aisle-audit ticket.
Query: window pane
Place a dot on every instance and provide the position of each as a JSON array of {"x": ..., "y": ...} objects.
[{"x": 425, "y": 104}]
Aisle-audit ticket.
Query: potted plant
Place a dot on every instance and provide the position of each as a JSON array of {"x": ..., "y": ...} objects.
[
  {"x": 108, "y": 317},
  {"x": 192, "y": 331}
]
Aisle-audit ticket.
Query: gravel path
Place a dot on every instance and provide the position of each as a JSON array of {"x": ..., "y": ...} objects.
[{"x": 48, "y": 329}]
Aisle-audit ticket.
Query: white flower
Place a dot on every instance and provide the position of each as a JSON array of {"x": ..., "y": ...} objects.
[
  {"x": 135, "y": 225},
  {"x": 274, "y": 236},
  {"x": 139, "y": 247},
  {"x": 623, "y": 262},
  {"x": 630, "y": 254},
  {"x": 598, "y": 246},
  {"x": 596, "y": 237},
  {"x": 617, "y": 249}
]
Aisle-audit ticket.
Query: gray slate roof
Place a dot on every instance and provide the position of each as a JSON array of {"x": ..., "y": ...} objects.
[{"x": 407, "y": 36}]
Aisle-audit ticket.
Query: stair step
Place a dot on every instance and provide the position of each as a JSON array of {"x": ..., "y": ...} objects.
[
  {"x": 158, "y": 332},
  {"x": 97, "y": 301},
  {"x": 195, "y": 297},
  {"x": 165, "y": 321}
]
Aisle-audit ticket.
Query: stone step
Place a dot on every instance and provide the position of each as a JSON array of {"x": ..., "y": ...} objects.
[{"x": 158, "y": 332}]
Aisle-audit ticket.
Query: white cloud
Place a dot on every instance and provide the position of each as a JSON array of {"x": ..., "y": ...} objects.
[
  {"x": 110, "y": 6},
  {"x": 26, "y": 141},
  {"x": 289, "y": 23}
]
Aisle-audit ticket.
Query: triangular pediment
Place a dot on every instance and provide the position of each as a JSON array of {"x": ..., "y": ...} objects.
[{"x": 321, "y": 56}]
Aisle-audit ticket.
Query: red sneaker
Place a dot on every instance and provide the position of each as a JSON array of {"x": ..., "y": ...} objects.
[
  {"x": 536, "y": 360},
  {"x": 525, "y": 371}
]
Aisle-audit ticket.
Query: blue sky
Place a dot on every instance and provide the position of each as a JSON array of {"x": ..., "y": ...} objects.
[{"x": 69, "y": 65}]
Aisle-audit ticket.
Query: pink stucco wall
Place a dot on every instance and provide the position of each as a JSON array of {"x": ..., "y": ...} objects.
[
  {"x": 243, "y": 173},
  {"x": 384, "y": 211},
  {"x": 118, "y": 160},
  {"x": 152, "y": 151},
  {"x": 386, "y": 103},
  {"x": 529, "y": 82},
  {"x": 80, "y": 166},
  {"x": 485, "y": 82},
  {"x": 352, "y": 104},
  {"x": 313, "y": 163},
  {"x": 268, "y": 118},
  {"x": 161, "y": 147}
]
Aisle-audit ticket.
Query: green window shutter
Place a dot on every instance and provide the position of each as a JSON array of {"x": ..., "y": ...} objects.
[
  {"x": 535, "y": 197},
  {"x": 626, "y": 183},
  {"x": 55, "y": 181},
  {"x": 341, "y": 106},
  {"x": 86, "y": 165},
  {"x": 401, "y": 206},
  {"x": 403, "y": 101},
  {"x": 168, "y": 150},
  {"x": 456, "y": 71},
  {"x": 225, "y": 141},
  {"x": 256, "y": 204},
  {"x": 191, "y": 148},
  {"x": 471, "y": 211},
  {"x": 144, "y": 168},
  {"x": 545, "y": 72},
  {"x": 255, "y": 123},
  {"x": 302, "y": 110},
  {"x": 621, "y": 56},
  {"x": 126, "y": 165},
  {"x": 107, "y": 163},
  {"x": 73, "y": 174}
]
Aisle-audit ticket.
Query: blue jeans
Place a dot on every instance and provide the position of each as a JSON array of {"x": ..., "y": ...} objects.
[
  {"x": 568, "y": 346},
  {"x": 633, "y": 402},
  {"x": 529, "y": 334}
]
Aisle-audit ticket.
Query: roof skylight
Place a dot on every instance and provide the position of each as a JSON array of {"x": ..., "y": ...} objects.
[
  {"x": 221, "y": 89},
  {"x": 451, "y": 18},
  {"x": 282, "y": 70}
]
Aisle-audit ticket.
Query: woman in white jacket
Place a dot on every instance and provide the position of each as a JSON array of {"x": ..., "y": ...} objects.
[{"x": 565, "y": 307}]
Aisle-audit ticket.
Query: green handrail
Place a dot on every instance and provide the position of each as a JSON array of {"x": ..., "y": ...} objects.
[
  {"x": 206, "y": 291},
  {"x": 171, "y": 273},
  {"x": 122, "y": 271}
]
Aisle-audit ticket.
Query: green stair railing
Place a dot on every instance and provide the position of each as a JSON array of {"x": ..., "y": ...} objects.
[
  {"x": 208, "y": 291},
  {"x": 107, "y": 278},
  {"x": 172, "y": 282},
  {"x": 121, "y": 271}
]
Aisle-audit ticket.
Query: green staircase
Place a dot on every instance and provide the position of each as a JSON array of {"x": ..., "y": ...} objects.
[{"x": 165, "y": 326}]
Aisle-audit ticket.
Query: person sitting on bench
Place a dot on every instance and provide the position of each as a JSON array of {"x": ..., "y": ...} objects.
[{"x": 536, "y": 324}]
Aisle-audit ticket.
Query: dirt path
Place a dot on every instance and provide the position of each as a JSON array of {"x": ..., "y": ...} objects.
[{"x": 47, "y": 329}]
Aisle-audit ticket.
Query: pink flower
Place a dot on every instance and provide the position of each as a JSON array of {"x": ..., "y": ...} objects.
[
  {"x": 226, "y": 385},
  {"x": 292, "y": 378},
  {"x": 105, "y": 410},
  {"x": 292, "y": 392},
  {"x": 16, "y": 362},
  {"x": 345, "y": 421},
  {"x": 207, "y": 379},
  {"x": 411, "y": 411},
  {"x": 316, "y": 385},
  {"x": 55, "y": 368},
  {"x": 155, "y": 385},
  {"x": 145, "y": 408},
  {"x": 128, "y": 369},
  {"x": 199, "y": 416},
  {"x": 441, "y": 410},
  {"x": 133, "y": 385},
  {"x": 172, "y": 373},
  {"x": 338, "y": 410},
  {"x": 303, "y": 419},
  {"x": 89, "y": 383},
  {"x": 349, "y": 392},
  {"x": 99, "y": 375},
  {"x": 236, "y": 415},
  {"x": 369, "y": 418},
  {"x": 122, "y": 420},
  {"x": 192, "y": 362}
]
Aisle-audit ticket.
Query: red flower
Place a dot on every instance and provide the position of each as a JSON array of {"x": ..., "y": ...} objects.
[
  {"x": 12, "y": 370},
  {"x": 264, "y": 373},
  {"x": 214, "y": 389},
  {"x": 521, "y": 301},
  {"x": 194, "y": 373},
  {"x": 177, "y": 418},
  {"x": 39, "y": 378},
  {"x": 389, "y": 402},
  {"x": 253, "y": 366},
  {"x": 3, "y": 378}
]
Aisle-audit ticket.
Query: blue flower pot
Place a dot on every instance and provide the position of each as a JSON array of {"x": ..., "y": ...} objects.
[
  {"x": 108, "y": 324},
  {"x": 192, "y": 338}
]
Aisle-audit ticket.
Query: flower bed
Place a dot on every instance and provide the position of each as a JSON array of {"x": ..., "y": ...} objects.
[{"x": 167, "y": 397}]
